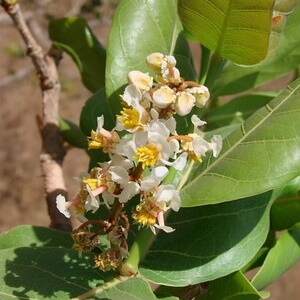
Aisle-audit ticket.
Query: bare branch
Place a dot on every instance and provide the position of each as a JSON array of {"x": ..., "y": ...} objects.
[{"x": 53, "y": 152}]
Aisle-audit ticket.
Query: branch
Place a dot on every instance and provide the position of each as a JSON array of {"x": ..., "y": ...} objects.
[{"x": 53, "y": 153}]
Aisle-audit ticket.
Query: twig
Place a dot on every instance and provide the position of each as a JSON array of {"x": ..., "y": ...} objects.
[{"x": 53, "y": 152}]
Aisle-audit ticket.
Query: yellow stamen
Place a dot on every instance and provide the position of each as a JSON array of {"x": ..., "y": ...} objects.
[
  {"x": 130, "y": 118},
  {"x": 147, "y": 155}
]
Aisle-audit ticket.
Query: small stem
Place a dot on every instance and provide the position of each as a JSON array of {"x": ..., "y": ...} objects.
[
  {"x": 137, "y": 252},
  {"x": 115, "y": 211},
  {"x": 205, "y": 58}
]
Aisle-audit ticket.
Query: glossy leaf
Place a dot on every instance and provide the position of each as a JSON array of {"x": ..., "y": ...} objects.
[
  {"x": 209, "y": 242},
  {"x": 237, "y": 110},
  {"x": 261, "y": 155},
  {"x": 238, "y": 31},
  {"x": 74, "y": 36},
  {"x": 234, "y": 286},
  {"x": 235, "y": 79},
  {"x": 146, "y": 27},
  {"x": 72, "y": 134},
  {"x": 282, "y": 256}
]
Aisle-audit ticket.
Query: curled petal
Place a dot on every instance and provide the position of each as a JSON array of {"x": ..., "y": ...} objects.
[
  {"x": 141, "y": 80},
  {"x": 63, "y": 206},
  {"x": 184, "y": 103}
]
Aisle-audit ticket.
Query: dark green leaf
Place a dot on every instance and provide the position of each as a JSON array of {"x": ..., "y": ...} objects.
[
  {"x": 209, "y": 242},
  {"x": 282, "y": 256},
  {"x": 261, "y": 155},
  {"x": 234, "y": 287},
  {"x": 285, "y": 212},
  {"x": 72, "y": 134},
  {"x": 74, "y": 36},
  {"x": 235, "y": 79},
  {"x": 96, "y": 106},
  {"x": 236, "y": 30},
  {"x": 146, "y": 27}
]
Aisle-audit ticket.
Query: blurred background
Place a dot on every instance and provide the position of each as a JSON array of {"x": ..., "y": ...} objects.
[{"x": 21, "y": 189}]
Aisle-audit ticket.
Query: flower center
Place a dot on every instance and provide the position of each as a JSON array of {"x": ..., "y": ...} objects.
[
  {"x": 130, "y": 118},
  {"x": 147, "y": 155}
]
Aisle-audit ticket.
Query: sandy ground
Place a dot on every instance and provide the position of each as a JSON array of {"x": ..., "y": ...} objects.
[{"x": 21, "y": 191}]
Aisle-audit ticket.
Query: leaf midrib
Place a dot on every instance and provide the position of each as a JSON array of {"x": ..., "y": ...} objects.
[{"x": 206, "y": 171}]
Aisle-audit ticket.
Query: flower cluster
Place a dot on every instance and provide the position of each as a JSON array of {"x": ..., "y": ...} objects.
[{"x": 142, "y": 148}]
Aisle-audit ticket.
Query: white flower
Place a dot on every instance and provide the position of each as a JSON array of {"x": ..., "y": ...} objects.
[
  {"x": 141, "y": 80},
  {"x": 135, "y": 117},
  {"x": 154, "y": 61},
  {"x": 216, "y": 145},
  {"x": 167, "y": 193},
  {"x": 128, "y": 188},
  {"x": 91, "y": 202},
  {"x": 163, "y": 97},
  {"x": 63, "y": 206},
  {"x": 184, "y": 103},
  {"x": 201, "y": 94},
  {"x": 155, "y": 177}
]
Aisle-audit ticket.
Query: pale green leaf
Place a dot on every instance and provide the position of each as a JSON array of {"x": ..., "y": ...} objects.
[
  {"x": 235, "y": 79},
  {"x": 35, "y": 236},
  {"x": 261, "y": 155},
  {"x": 140, "y": 28},
  {"x": 131, "y": 289},
  {"x": 209, "y": 242},
  {"x": 281, "y": 257},
  {"x": 236, "y": 30}
]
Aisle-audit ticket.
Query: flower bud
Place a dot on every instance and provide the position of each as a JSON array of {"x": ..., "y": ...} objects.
[
  {"x": 163, "y": 97},
  {"x": 184, "y": 103},
  {"x": 154, "y": 61},
  {"x": 201, "y": 94},
  {"x": 141, "y": 80}
]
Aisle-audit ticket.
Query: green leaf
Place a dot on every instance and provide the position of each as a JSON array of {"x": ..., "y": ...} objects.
[
  {"x": 134, "y": 288},
  {"x": 234, "y": 287},
  {"x": 74, "y": 36},
  {"x": 146, "y": 27},
  {"x": 261, "y": 155},
  {"x": 209, "y": 242},
  {"x": 236, "y": 79},
  {"x": 236, "y": 30},
  {"x": 46, "y": 273},
  {"x": 237, "y": 110},
  {"x": 25, "y": 236},
  {"x": 94, "y": 107},
  {"x": 281, "y": 257},
  {"x": 285, "y": 212},
  {"x": 72, "y": 134}
]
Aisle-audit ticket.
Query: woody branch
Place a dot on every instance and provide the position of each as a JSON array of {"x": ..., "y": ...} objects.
[{"x": 52, "y": 153}]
